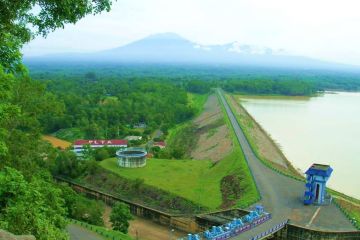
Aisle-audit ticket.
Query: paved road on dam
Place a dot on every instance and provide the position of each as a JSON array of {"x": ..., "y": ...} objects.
[
  {"x": 77, "y": 232},
  {"x": 281, "y": 195}
]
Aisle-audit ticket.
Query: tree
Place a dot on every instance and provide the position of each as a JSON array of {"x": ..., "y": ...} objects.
[
  {"x": 31, "y": 207},
  {"x": 30, "y": 203},
  {"x": 120, "y": 217},
  {"x": 67, "y": 164},
  {"x": 21, "y": 21},
  {"x": 101, "y": 154}
]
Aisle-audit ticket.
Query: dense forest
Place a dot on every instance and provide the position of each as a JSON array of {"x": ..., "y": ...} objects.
[
  {"x": 108, "y": 108},
  {"x": 213, "y": 75},
  {"x": 93, "y": 105}
]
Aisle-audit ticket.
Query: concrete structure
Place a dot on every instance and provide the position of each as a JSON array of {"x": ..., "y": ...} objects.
[
  {"x": 234, "y": 227},
  {"x": 116, "y": 143},
  {"x": 316, "y": 177},
  {"x": 133, "y": 138},
  {"x": 131, "y": 157}
]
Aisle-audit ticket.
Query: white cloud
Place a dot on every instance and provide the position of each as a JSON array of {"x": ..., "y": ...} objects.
[{"x": 326, "y": 29}]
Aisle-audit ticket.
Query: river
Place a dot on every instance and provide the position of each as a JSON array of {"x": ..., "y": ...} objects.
[{"x": 324, "y": 129}]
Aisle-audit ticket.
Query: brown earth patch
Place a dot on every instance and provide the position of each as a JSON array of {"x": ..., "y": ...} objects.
[
  {"x": 106, "y": 217},
  {"x": 56, "y": 142},
  {"x": 214, "y": 141},
  {"x": 144, "y": 229},
  {"x": 230, "y": 190}
]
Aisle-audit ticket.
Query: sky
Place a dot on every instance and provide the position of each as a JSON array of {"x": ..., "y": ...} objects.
[{"x": 322, "y": 29}]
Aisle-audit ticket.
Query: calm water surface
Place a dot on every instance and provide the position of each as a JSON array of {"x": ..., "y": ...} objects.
[{"x": 322, "y": 130}]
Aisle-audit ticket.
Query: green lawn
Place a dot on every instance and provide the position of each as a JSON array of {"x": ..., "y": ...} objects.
[
  {"x": 196, "y": 180},
  {"x": 69, "y": 134},
  {"x": 186, "y": 178},
  {"x": 197, "y": 101}
]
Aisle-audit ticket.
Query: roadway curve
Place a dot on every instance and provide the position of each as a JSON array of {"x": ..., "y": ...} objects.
[
  {"x": 281, "y": 195},
  {"x": 77, "y": 232}
]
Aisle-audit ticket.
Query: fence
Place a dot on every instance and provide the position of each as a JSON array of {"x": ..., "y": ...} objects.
[{"x": 270, "y": 231}]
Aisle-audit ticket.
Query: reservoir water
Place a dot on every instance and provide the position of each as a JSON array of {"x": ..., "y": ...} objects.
[{"x": 324, "y": 129}]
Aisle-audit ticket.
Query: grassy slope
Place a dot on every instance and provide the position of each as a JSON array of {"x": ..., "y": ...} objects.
[
  {"x": 195, "y": 180},
  {"x": 196, "y": 101},
  {"x": 69, "y": 134}
]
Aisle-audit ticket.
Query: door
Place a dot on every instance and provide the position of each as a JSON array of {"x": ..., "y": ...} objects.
[{"x": 317, "y": 192}]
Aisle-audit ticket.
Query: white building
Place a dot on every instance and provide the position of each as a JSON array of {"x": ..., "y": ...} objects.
[{"x": 116, "y": 143}]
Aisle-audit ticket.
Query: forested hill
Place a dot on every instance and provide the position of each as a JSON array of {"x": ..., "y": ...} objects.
[
  {"x": 320, "y": 80},
  {"x": 105, "y": 108}
]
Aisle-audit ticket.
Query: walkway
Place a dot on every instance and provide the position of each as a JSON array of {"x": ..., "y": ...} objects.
[
  {"x": 77, "y": 232},
  {"x": 281, "y": 195}
]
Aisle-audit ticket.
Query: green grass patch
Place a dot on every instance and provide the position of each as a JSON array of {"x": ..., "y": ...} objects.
[
  {"x": 211, "y": 132},
  {"x": 351, "y": 210},
  {"x": 186, "y": 178},
  {"x": 69, "y": 134},
  {"x": 197, "y": 101},
  {"x": 106, "y": 233}
]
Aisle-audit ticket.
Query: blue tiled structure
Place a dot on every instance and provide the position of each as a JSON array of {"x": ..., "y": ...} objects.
[
  {"x": 233, "y": 228},
  {"x": 316, "y": 177}
]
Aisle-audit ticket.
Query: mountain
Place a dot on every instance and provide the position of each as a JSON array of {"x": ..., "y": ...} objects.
[{"x": 172, "y": 48}]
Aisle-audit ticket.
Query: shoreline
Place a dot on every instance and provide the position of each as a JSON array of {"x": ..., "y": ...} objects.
[
  {"x": 290, "y": 169},
  {"x": 276, "y": 146},
  {"x": 349, "y": 205}
]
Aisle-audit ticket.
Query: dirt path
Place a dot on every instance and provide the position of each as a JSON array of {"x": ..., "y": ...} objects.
[
  {"x": 106, "y": 217},
  {"x": 214, "y": 140},
  {"x": 143, "y": 229}
]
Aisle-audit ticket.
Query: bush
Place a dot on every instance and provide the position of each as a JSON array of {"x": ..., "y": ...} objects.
[
  {"x": 81, "y": 208},
  {"x": 102, "y": 153},
  {"x": 120, "y": 217}
]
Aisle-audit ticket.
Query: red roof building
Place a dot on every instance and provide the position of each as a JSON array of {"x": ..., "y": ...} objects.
[
  {"x": 159, "y": 144},
  {"x": 100, "y": 143}
]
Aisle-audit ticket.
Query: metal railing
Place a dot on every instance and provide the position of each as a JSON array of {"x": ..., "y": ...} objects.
[{"x": 270, "y": 231}]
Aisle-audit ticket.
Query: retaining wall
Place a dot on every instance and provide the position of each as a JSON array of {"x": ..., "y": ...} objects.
[
  {"x": 295, "y": 232},
  {"x": 198, "y": 223}
]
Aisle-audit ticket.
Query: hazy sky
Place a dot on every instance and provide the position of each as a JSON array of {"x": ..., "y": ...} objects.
[{"x": 324, "y": 29}]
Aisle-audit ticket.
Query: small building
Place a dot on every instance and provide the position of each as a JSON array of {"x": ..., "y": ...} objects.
[
  {"x": 140, "y": 125},
  {"x": 316, "y": 177},
  {"x": 159, "y": 144},
  {"x": 133, "y": 138},
  {"x": 131, "y": 157},
  {"x": 115, "y": 143}
]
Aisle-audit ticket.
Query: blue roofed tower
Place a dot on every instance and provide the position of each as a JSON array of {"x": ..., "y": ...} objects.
[{"x": 316, "y": 177}]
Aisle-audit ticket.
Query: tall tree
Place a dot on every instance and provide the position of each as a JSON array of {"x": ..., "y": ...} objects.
[{"x": 120, "y": 217}]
